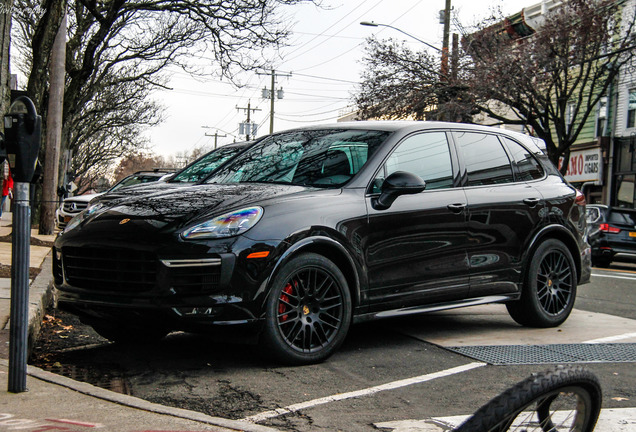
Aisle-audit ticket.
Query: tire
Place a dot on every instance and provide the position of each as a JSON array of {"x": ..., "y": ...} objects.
[
  {"x": 549, "y": 291},
  {"x": 565, "y": 399},
  {"x": 308, "y": 311},
  {"x": 129, "y": 335}
]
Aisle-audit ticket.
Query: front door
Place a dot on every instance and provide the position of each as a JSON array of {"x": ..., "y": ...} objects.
[{"x": 416, "y": 250}]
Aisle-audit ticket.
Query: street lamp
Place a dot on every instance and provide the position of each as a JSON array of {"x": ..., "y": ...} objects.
[{"x": 373, "y": 24}]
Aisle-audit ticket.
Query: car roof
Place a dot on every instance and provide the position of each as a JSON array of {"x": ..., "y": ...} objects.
[{"x": 407, "y": 126}]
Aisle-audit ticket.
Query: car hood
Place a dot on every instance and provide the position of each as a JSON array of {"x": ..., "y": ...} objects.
[
  {"x": 138, "y": 190},
  {"x": 176, "y": 208}
]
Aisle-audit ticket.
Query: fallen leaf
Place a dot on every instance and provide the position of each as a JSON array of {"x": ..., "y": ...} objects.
[{"x": 620, "y": 399}]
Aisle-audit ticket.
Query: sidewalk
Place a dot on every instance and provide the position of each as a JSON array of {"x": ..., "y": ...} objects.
[{"x": 54, "y": 402}]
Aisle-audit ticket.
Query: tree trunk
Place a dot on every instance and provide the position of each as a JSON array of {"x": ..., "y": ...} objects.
[
  {"x": 53, "y": 132},
  {"x": 5, "y": 41}
]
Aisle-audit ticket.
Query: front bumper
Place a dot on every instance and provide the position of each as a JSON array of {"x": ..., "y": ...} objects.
[{"x": 191, "y": 288}]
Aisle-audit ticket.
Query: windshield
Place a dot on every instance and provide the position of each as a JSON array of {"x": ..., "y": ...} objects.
[
  {"x": 135, "y": 179},
  {"x": 204, "y": 166},
  {"x": 322, "y": 158}
]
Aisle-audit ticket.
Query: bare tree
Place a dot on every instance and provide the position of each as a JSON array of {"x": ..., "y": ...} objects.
[
  {"x": 129, "y": 45},
  {"x": 554, "y": 79},
  {"x": 399, "y": 83},
  {"x": 550, "y": 81}
]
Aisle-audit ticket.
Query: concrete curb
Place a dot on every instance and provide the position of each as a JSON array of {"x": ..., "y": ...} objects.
[
  {"x": 40, "y": 296},
  {"x": 134, "y": 402}
]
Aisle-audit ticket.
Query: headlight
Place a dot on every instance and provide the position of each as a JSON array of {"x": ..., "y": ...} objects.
[{"x": 227, "y": 225}]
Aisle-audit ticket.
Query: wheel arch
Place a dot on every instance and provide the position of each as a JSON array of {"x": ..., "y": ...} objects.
[
  {"x": 330, "y": 249},
  {"x": 557, "y": 232}
]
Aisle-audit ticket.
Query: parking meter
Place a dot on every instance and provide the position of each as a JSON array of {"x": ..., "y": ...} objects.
[{"x": 22, "y": 127}]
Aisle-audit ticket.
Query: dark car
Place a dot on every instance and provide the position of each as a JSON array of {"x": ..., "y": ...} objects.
[
  {"x": 611, "y": 234},
  {"x": 193, "y": 173},
  {"x": 313, "y": 229}
]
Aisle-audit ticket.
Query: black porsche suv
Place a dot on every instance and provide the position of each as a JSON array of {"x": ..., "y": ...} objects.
[{"x": 313, "y": 229}]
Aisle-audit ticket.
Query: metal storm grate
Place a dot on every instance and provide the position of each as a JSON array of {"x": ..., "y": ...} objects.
[{"x": 559, "y": 353}]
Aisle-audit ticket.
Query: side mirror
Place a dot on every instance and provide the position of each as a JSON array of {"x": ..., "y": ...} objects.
[{"x": 398, "y": 183}]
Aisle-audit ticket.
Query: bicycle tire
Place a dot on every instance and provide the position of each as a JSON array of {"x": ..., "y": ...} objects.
[{"x": 530, "y": 404}]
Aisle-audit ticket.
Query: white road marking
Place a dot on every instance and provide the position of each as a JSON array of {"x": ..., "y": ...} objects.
[
  {"x": 610, "y": 420},
  {"x": 614, "y": 277},
  {"x": 360, "y": 393},
  {"x": 610, "y": 339}
]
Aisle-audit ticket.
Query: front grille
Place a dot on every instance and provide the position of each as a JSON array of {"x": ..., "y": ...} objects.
[
  {"x": 74, "y": 206},
  {"x": 195, "y": 280},
  {"x": 109, "y": 269}
]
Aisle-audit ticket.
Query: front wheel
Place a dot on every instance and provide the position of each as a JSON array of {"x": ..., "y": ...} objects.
[
  {"x": 566, "y": 399},
  {"x": 549, "y": 290},
  {"x": 308, "y": 310}
]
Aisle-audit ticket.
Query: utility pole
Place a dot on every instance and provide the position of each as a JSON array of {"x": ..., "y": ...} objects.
[
  {"x": 247, "y": 128},
  {"x": 447, "y": 15},
  {"x": 271, "y": 94},
  {"x": 216, "y": 137},
  {"x": 54, "y": 131}
]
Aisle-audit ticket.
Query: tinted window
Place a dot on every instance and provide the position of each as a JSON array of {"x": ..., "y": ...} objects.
[
  {"x": 528, "y": 168},
  {"x": 204, "y": 166},
  {"x": 485, "y": 158},
  {"x": 426, "y": 155},
  {"x": 323, "y": 158}
]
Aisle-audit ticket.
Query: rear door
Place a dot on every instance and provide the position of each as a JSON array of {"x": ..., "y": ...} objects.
[{"x": 504, "y": 211}]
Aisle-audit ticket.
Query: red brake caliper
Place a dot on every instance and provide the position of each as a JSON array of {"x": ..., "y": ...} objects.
[{"x": 282, "y": 306}]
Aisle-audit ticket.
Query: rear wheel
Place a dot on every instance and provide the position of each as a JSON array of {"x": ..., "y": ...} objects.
[
  {"x": 549, "y": 290},
  {"x": 308, "y": 310}
]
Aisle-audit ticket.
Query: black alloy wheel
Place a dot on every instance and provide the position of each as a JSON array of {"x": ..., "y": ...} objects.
[
  {"x": 309, "y": 310},
  {"x": 549, "y": 290},
  {"x": 554, "y": 282}
]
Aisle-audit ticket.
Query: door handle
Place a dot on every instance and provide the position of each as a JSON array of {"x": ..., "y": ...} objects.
[
  {"x": 456, "y": 208},
  {"x": 531, "y": 201}
]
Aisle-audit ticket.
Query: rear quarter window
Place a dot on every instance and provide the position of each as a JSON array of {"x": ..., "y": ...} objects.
[{"x": 527, "y": 167}]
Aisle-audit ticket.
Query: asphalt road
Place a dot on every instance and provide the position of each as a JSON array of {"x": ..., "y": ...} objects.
[{"x": 391, "y": 375}]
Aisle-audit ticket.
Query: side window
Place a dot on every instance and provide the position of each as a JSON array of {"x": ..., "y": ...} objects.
[
  {"x": 427, "y": 155},
  {"x": 485, "y": 158},
  {"x": 528, "y": 168}
]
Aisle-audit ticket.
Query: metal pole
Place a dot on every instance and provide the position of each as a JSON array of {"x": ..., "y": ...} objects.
[
  {"x": 18, "y": 335},
  {"x": 271, "y": 110}
]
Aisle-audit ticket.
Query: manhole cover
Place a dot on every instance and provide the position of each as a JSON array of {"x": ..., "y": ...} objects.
[{"x": 558, "y": 353}]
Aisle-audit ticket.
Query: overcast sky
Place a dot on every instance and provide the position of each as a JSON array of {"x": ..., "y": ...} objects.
[{"x": 324, "y": 62}]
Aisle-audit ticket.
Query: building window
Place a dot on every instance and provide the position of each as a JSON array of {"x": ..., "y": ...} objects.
[
  {"x": 569, "y": 113},
  {"x": 601, "y": 116},
  {"x": 631, "y": 109}
]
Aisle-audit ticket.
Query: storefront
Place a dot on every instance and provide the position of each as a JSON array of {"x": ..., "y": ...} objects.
[{"x": 585, "y": 172}]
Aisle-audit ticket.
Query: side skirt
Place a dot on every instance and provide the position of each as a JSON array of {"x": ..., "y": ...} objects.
[{"x": 435, "y": 307}]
